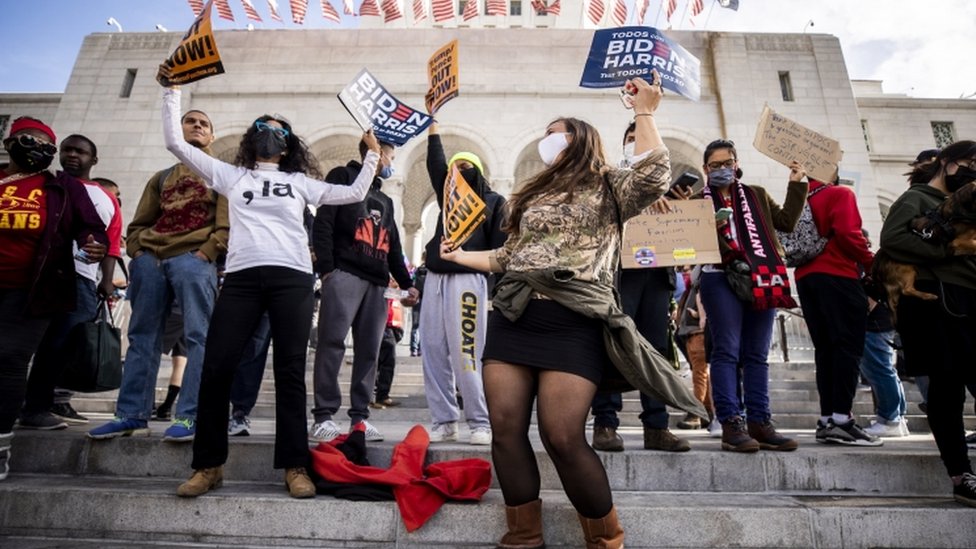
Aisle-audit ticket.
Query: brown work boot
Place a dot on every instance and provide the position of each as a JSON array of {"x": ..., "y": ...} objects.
[
  {"x": 735, "y": 438},
  {"x": 524, "y": 527},
  {"x": 202, "y": 481},
  {"x": 691, "y": 421},
  {"x": 769, "y": 439},
  {"x": 606, "y": 439},
  {"x": 664, "y": 440},
  {"x": 603, "y": 533},
  {"x": 298, "y": 483}
]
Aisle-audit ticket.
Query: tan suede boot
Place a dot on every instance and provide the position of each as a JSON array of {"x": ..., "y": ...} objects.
[
  {"x": 603, "y": 533},
  {"x": 298, "y": 483},
  {"x": 524, "y": 527},
  {"x": 202, "y": 481}
]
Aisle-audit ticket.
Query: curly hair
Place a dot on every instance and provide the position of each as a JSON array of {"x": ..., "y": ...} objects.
[
  {"x": 295, "y": 159},
  {"x": 581, "y": 165}
]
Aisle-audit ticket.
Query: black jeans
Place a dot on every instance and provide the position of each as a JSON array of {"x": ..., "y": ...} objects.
[
  {"x": 385, "y": 365},
  {"x": 20, "y": 334},
  {"x": 835, "y": 309},
  {"x": 938, "y": 337},
  {"x": 250, "y": 373},
  {"x": 286, "y": 295}
]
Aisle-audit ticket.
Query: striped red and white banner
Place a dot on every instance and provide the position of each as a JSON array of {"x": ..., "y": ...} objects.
[
  {"x": 596, "y": 10},
  {"x": 419, "y": 10},
  {"x": 197, "y": 7},
  {"x": 273, "y": 8},
  {"x": 369, "y": 7},
  {"x": 442, "y": 9},
  {"x": 697, "y": 6},
  {"x": 619, "y": 15},
  {"x": 348, "y": 8},
  {"x": 554, "y": 8},
  {"x": 249, "y": 10},
  {"x": 539, "y": 7},
  {"x": 497, "y": 7},
  {"x": 470, "y": 10},
  {"x": 642, "y": 6},
  {"x": 672, "y": 7},
  {"x": 391, "y": 10},
  {"x": 329, "y": 12},
  {"x": 298, "y": 9},
  {"x": 223, "y": 10}
]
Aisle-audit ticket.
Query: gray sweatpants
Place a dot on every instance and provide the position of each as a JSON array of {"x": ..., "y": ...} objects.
[
  {"x": 453, "y": 322},
  {"x": 347, "y": 302}
]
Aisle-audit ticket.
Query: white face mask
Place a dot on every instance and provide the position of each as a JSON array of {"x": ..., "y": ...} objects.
[
  {"x": 551, "y": 146},
  {"x": 628, "y": 159}
]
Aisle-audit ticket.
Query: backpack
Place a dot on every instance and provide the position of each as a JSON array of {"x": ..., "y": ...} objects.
[{"x": 804, "y": 243}]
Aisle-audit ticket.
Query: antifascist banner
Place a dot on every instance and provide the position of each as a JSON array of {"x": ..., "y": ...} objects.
[
  {"x": 371, "y": 106},
  {"x": 463, "y": 209},
  {"x": 196, "y": 57},
  {"x": 442, "y": 71},
  {"x": 619, "y": 54}
]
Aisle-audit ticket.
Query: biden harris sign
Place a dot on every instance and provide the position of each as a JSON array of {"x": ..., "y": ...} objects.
[
  {"x": 372, "y": 106},
  {"x": 622, "y": 53}
]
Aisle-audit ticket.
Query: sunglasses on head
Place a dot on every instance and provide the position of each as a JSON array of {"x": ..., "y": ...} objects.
[
  {"x": 264, "y": 126},
  {"x": 28, "y": 141}
]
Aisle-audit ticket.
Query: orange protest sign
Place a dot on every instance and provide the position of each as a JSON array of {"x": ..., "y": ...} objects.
[
  {"x": 442, "y": 71},
  {"x": 463, "y": 209},
  {"x": 196, "y": 57}
]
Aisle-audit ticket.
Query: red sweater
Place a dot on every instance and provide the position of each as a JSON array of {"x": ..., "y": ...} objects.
[{"x": 837, "y": 218}]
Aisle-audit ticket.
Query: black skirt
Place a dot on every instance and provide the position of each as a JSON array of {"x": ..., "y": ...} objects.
[{"x": 550, "y": 337}]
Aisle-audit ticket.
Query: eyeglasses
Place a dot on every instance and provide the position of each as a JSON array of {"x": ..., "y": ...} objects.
[
  {"x": 730, "y": 163},
  {"x": 28, "y": 141},
  {"x": 264, "y": 126}
]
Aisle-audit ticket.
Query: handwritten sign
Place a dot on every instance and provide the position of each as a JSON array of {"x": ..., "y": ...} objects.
[
  {"x": 684, "y": 236},
  {"x": 442, "y": 72},
  {"x": 372, "y": 106},
  {"x": 619, "y": 54},
  {"x": 196, "y": 57},
  {"x": 784, "y": 141},
  {"x": 463, "y": 209}
]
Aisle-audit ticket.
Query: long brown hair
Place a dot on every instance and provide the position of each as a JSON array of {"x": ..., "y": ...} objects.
[{"x": 581, "y": 166}]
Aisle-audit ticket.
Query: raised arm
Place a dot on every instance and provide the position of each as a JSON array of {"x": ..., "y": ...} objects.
[
  {"x": 338, "y": 194},
  {"x": 436, "y": 163}
]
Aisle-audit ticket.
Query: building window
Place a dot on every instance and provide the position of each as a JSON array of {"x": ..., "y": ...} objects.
[
  {"x": 128, "y": 82},
  {"x": 867, "y": 136},
  {"x": 515, "y": 8},
  {"x": 944, "y": 133},
  {"x": 785, "y": 86},
  {"x": 4, "y": 123}
]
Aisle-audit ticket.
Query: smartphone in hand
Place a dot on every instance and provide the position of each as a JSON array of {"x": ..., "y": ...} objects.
[{"x": 723, "y": 214}]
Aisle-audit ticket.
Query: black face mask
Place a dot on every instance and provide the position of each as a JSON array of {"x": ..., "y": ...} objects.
[
  {"x": 958, "y": 180},
  {"x": 268, "y": 144},
  {"x": 471, "y": 176},
  {"x": 32, "y": 159}
]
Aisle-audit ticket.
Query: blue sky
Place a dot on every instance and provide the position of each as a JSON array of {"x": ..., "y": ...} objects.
[{"x": 922, "y": 49}]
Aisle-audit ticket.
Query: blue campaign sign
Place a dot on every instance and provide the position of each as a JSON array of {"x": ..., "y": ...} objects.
[
  {"x": 373, "y": 107},
  {"x": 622, "y": 53}
]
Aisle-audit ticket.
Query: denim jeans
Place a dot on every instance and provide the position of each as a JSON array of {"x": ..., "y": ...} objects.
[
  {"x": 153, "y": 285},
  {"x": 878, "y": 366},
  {"x": 740, "y": 337}
]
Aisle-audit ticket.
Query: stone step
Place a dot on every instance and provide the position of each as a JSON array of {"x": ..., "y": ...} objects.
[{"x": 248, "y": 514}]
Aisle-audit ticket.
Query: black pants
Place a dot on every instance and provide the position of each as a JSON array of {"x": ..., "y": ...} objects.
[
  {"x": 286, "y": 295},
  {"x": 386, "y": 365},
  {"x": 20, "y": 334},
  {"x": 835, "y": 309},
  {"x": 938, "y": 338}
]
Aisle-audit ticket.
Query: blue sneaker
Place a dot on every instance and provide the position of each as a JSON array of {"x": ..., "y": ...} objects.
[
  {"x": 182, "y": 430},
  {"x": 120, "y": 427}
]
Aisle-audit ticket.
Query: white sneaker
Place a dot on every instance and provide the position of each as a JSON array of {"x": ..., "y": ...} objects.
[
  {"x": 480, "y": 436},
  {"x": 372, "y": 433},
  {"x": 715, "y": 428},
  {"x": 887, "y": 429},
  {"x": 239, "y": 426},
  {"x": 324, "y": 431},
  {"x": 444, "y": 432}
]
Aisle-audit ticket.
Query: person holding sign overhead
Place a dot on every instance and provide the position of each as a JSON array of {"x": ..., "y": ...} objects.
[
  {"x": 269, "y": 269},
  {"x": 742, "y": 293},
  {"x": 555, "y": 317},
  {"x": 455, "y": 314}
]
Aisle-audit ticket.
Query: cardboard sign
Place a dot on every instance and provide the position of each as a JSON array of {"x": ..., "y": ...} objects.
[
  {"x": 619, "y": 54},
  {"x": 442, "y": 72},
  {"x": 463, "y": 209},
  {"x": 784, "y": 141},
  {"x": 196, "y": 57},
  {"x": 684, "y": 236},
  {"x": 371, "y": 106}
]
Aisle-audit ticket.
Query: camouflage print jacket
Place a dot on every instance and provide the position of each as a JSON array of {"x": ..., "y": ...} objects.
[{"x": 583, "y": 236}]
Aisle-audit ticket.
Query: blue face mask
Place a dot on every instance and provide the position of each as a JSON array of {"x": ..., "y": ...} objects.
[
  {"x": 386, "y": 172},
  {"x": 722, "y": 177}
]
